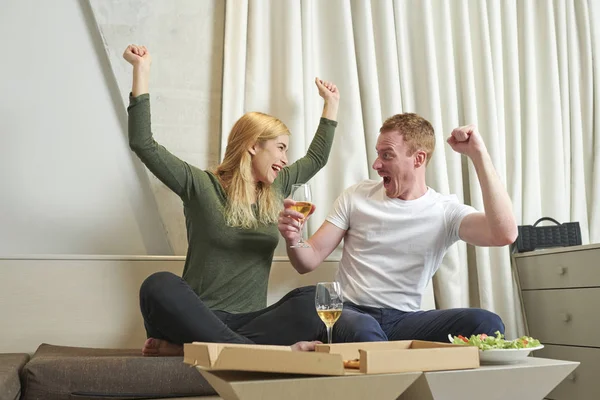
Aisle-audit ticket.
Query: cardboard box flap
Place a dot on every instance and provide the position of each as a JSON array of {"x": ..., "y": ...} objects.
[
  {"x": 280, "y": 359},
  {"x": 206, "y": 354},
  {"x": 420, "y": 344},
  {"x": 419, "y": 359},
  {"x": 350, "y": 351}
]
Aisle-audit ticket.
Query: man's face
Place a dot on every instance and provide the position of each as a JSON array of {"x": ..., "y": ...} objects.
[{"x": 394, "y": 164}]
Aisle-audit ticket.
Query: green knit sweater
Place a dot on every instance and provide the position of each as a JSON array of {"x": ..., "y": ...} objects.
[{"x": 227, "y": 267}]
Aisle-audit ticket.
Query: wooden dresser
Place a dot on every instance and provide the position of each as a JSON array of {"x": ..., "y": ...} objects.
[{"x": 560, "y": 294}]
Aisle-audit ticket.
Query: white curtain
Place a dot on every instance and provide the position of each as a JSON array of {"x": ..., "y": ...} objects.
[{"x": 523, "y": 71}]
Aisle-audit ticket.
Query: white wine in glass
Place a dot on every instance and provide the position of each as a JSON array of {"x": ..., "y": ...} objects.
[
  {"x": 329, "y": 317},
  {"x": 303, "y": 207},
  {"x": 302, "y": 196},
  {"x": 329, "y": 304}
]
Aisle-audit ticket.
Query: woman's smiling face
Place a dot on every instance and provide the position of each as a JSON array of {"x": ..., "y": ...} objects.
[{"x": 269, "y": 158}]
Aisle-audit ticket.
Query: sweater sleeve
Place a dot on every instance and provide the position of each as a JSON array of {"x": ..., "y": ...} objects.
[
  {"x": 176, "y": 174},
  {"x": 316, "y": 157}
]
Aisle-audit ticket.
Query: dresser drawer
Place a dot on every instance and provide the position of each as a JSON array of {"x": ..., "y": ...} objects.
[
  {"x": 565, "y": 316},
  {"x": 581, "y": 384},
  {"x": 559, "y": 270}
]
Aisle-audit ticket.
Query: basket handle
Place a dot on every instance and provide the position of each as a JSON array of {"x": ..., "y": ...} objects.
[{"x": 546, "y": 219}]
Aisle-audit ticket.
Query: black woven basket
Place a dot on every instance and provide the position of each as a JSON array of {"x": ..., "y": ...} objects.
[{"x": 533, "y": 237}]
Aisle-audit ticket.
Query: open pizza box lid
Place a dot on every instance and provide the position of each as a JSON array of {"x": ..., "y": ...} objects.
[
  {"x": 405, "y": 356},
  {"x": 260, "y": 358},
  {"x": 375, "y": 357}
]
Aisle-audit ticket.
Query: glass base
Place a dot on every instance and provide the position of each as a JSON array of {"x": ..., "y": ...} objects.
[{"x": 300, "y": 245}]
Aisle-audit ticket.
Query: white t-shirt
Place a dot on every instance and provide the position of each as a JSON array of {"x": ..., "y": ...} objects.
[{"x": 393, "y": 247}]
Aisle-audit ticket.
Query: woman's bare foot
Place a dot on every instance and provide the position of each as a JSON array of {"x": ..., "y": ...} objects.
[
  {"x": 305, "y": 346},
  {"x": 161, "y": 348}
]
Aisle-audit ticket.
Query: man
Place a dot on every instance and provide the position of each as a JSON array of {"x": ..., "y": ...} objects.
[{"x": 396, "y": 231}]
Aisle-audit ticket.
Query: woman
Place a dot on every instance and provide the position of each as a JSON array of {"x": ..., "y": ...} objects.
[{"x": 231, "y": 218}]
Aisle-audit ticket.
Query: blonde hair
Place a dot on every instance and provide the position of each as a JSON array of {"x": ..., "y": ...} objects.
[
  {"x": 235, "y": 172},
  {"x": 416, "y": 130}
]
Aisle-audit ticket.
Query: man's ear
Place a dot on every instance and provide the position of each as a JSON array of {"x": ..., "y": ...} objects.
[{"x": 420, "y": 158}]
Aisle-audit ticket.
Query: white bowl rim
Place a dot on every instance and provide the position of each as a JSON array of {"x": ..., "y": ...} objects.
[{"x": 541, "y": 346}]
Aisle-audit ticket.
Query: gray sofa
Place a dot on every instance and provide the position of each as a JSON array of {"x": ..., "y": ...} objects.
[
  {"x": 67, "y": 373},
  {"x": 11, "y": 366}
]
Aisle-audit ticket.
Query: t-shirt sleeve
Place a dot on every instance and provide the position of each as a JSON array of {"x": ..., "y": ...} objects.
[
  {"x": 454, "y": 213},
  {"x": 340, "y": 214}
]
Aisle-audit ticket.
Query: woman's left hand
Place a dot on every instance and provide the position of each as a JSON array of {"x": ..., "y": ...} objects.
[{"x": 328, "y": 91}]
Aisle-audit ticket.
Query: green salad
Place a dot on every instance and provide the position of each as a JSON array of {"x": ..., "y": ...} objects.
[{"x": 485, "y": 342}]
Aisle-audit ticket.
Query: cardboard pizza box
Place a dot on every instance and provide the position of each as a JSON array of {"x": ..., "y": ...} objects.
[{"x": 374, "y": 357}]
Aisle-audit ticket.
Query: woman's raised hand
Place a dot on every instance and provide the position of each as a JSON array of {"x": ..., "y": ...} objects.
[
  {"x": 328, "y": 91},
  {"x": 137, "y": 56},
  {"x": 140, "y": 58}
]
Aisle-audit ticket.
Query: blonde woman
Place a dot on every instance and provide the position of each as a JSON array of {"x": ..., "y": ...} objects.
[{"x": 231, "y": 217}]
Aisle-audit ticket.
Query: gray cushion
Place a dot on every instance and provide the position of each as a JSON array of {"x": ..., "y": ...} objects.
[
  {"x": 57, "y": 373},
  {"x": 10, "y": 367}
]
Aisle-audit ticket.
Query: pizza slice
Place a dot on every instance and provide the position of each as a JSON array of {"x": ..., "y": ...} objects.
[{"x": 353, "y": 364}]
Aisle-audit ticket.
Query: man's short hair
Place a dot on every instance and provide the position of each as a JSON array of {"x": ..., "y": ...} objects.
[{"x": 416, "y": 130}]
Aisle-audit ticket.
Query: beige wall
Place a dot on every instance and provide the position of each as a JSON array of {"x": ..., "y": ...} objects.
[
  {"x": 93, "y": 301},
  {"x": 70, "y": 184}
]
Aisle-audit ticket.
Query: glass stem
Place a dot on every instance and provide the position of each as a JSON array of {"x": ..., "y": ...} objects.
[
  {"x": 329, "y": 338},
  {"x": 301, "y": 241}
]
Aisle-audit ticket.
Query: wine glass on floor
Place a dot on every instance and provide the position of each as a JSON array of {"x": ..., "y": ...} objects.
[{"x": 329, "y": 304}]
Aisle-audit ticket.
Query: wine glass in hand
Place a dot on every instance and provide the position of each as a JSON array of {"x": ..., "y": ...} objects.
[
  {"x": 329, "y": 304},
  {"x": 302, "y": 196}
]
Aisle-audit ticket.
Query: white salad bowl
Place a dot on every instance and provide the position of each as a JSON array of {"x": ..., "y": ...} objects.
[{"x": 503, "y": 356}]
